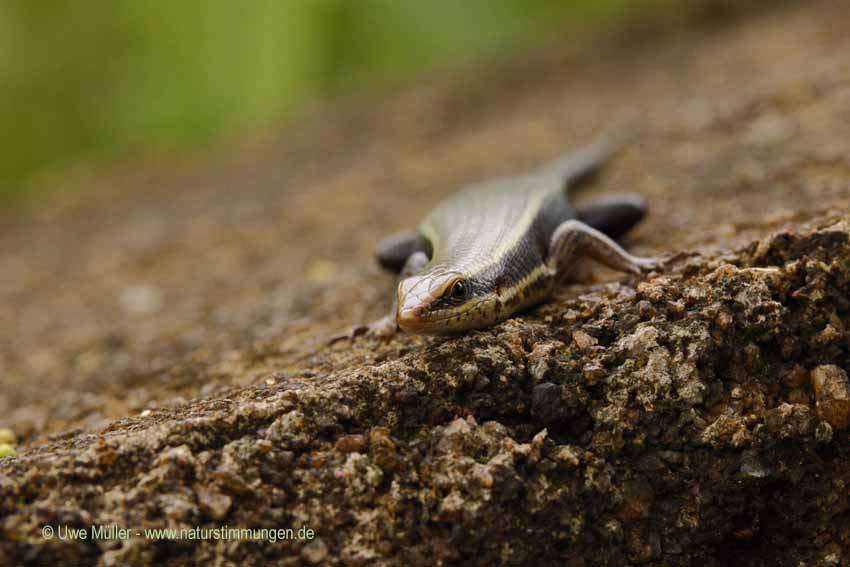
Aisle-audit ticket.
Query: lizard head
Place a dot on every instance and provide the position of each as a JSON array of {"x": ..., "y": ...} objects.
[{"x": 442, "y": 303}]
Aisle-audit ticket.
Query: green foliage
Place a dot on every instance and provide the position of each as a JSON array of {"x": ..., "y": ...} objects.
[{"x": 81, "y": 79}]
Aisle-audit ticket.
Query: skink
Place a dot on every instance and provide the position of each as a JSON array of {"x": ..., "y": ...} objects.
[{"x": 498, "y": 247}]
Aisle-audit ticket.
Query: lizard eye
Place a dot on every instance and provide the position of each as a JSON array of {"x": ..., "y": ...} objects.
[{"x": 458, "y": 290}]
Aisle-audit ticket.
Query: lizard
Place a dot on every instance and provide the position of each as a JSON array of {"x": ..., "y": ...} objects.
[{"x": 497, "y": 247}]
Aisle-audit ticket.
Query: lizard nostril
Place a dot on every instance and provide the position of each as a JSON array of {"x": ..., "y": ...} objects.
[{"x": 410, "y": 313}]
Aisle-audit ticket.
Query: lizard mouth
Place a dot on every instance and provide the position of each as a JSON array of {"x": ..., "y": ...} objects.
[{"x": 445, "y": 321}]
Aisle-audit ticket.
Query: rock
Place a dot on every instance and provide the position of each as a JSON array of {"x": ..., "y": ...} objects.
[
  {"x": 795, "y": 377},
  {"x": 823, "y": 432},
  {"x": 383, "y": 449},
  {"x": 593, "y": 372},
  {"x": 752, "y": 467},
  {"x": 212, "y": 502},
  {"x": 694, "y": 432},
  {"x": 569, "y": 456},
  {"x": 351, "y": 443},
  {"x": 178, "y": 508},
  {"x": 7, "y": 436},
  {"x": 583, "y": 340},
  {"x": 832, "y": 395},
  {"x": 315, "y": 551},
  {"x": 483, "y": 476},
  {"x": 726, "y": 430},
  {"x": 637, "y": 501},
  {"x": 141, "y": 299},
  {"x": 540, "y": 360},
  {"x": 454, "y": 435},
  {"x": 789, "y": 420},
  {"x": 768, "y": 128},
  {"x": 546, "y": 404}
]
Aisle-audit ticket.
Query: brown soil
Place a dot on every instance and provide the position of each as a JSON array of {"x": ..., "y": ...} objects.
[{"x": 161, "y": 332}]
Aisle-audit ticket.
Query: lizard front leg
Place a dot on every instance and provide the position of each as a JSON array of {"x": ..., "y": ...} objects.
[
  {"x": 574, "y": 239},
  {"x": 386, "y": 326}
]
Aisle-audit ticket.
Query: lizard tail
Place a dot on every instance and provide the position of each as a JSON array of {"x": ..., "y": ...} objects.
[{"x": 578, "y": 167}]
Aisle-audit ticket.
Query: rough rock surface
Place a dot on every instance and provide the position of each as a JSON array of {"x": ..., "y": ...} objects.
[{"x": 164, "y": 367}]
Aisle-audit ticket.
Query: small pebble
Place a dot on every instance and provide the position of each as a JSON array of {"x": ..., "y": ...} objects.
[
  {"x": 638, "y": 497},
  {"x": 823, "y": 432},
  {"x": 7, "y": 436},
  {"x": 314, "y": 552},
  {"x": 752, "y": 467},
  {"x": 568, "y": 456},
  {"x": 832, "y": 395},
  {"x": 351, "y": 443},
  {"x": 483, "y": 476},
  {"x": 321, "y": 271},
  {"x": 795, "y": 377},
  {"x": 583, "y": 340},
  {"x": 546, "y": 404},
  {"x": 213, "y": 503},
  {"x": 141, "y": 299}
]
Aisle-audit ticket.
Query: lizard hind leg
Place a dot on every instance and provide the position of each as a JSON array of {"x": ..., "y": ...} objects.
[
  {"x": 613, "y": 214},
  {"x": 574, "y": 239},
  {"x": 393, "y": 251}
]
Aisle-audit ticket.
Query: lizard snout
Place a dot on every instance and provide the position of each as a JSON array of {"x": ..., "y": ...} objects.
[{"x": 411, "y": 305}]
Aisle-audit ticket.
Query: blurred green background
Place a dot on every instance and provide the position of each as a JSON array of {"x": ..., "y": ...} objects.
[{"x": 92, "y": 80}]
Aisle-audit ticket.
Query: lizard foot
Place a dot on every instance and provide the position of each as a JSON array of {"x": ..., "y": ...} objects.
[
  {"x": 384, "y": 328},
  {"x": 649, "y": 264}
]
